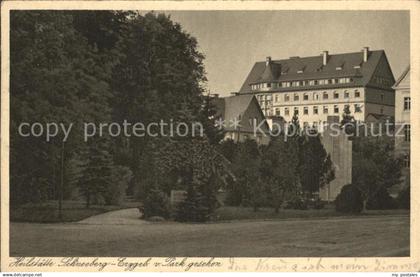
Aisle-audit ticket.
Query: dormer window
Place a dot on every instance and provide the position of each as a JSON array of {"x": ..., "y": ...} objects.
[
  {"x": 300, "y": 71},
  {"x": 356, "y": 66},
  {"x": 339, "y": 68}
]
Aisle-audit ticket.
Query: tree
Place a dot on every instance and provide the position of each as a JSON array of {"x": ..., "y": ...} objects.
[
  {"x": 247, "y": 169},
  {"x": 208, "y": 119},
  {"x": 150, "y": 85},
  {"x": 349, "y": 200},
  {"x": 278, "y": 163},
  {"x": 56, "y": 76},
  {"x": 316, "y": 169},
  {"x": 374, "y": 166},
  {"x": 348, "y": 123}
]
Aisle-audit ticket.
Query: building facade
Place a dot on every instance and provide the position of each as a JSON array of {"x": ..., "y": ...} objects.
[
  {"x": 402, "y": 119},
  {"x": 321, "y": 86}
]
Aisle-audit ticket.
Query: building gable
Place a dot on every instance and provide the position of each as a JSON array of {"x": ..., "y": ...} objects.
[{"x": 382, "y": 76}]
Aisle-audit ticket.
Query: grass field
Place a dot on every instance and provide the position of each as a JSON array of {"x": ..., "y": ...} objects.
[
  {"x": 358, "y": 236},
  {"x": 226, "y": 213},
  {"x": 71, "y": 211}
]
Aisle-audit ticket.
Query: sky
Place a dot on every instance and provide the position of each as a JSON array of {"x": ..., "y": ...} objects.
[{"x": 232, "y": 41}]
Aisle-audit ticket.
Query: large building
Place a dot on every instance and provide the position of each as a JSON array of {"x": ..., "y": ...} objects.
[
  {"x": 320, "y": 86},
  {"x": 402, "y": 119}
]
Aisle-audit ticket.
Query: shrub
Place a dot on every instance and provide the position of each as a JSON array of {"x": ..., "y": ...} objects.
[
  {"x": 349, "y": 200},
  {"x": 403, "y": 198},
  {"x": 156, "y": 204},
  {"x": 382, "y": 201},
  {"x": 296, "y": 203},
  {"x": 194, "y": 208},
  {"x": 316, "y": 204}
]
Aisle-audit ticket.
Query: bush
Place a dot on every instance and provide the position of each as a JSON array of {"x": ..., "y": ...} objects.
[
  {"x": 403, "y": 198},
  {"x": 156, "y": 204},
  {"x": 349, "y": 200},
  {"x": 194, "y": 208},
  {"x": 315, "y": 203},
  {"x": 382, "y": 201},
  {"x": 296, "y": 203}
]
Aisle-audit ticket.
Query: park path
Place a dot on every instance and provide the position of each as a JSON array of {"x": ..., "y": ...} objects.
[{"x": 119, "y": 217}]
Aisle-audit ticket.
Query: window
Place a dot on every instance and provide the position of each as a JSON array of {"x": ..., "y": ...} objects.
[
  {"x": 277, "y": 111},
  {"x": 325, "y": 95},
  {"x": 407, "y": 132},
  {"x": 296, "y": 110},
  {"x": 316, "y": 96},
  {"x": 269, "y": 85},
  {"x": 407, "y": 103},
  {"x": 325, "y": 110},
  {"x": 357, "y": 108},
  {"x": 305, "y": 97},
  {"x": 406, "y": 160},
  {"x": 296, "y": 97},
  {"x": 286, "y": 84},
  {"x": 346, "y": 94},
  {"x": 312, "y": 82},
  {"x": 336, "y": 109},
  {"x": 276, "y": 98},
  {"x": 286, "y": 111},
  {"x": 286, "y": 98},
  {"x": 336, "y": 95},
  {"x": 305, "y": 110},
  {"x": 357, "y": 93},
  {"x": 315, "y": 109}
]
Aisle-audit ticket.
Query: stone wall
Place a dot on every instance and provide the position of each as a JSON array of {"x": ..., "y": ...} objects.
[{"x": 340, "y": 149}]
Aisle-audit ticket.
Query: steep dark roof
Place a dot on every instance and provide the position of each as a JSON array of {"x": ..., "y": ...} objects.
[
  {"x": 234, "y": 107},
  {"x": 405, "y": 72},
  {"x": 313, "y": 68}
]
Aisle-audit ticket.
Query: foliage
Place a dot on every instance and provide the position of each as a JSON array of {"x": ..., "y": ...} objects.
[
  {"x": 246, "y": 167},
  {"x": 194, "y": 208},
  {"x": 120, "y": 178},
  {"x": 278, "y": 163},
  {"x": 156, "y": 204},
  {"x": 404, "y": 198},
  {"x": 97, "y": 66},
  {"x": 349, "y": 200},
  {"x": 297, "y": 203},
  {"x": 316, "y": 169},
  {"x": 348, "y": 123},
  {"x": 374, "y": 166},
  {"x": 381, "y": 201}
]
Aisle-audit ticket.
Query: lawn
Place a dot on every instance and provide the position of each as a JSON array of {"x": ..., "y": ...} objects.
[
  {"x": 358, "y": 236},
  {"x": 72, "y": 211},
  {"x": 227, "y": 213}
]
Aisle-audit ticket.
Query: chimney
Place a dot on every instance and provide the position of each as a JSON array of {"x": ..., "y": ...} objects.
[
  {"x": 324, "y": 58},
  {"x": 267, "y": 61},
  {"x": 365, "y": 54}
]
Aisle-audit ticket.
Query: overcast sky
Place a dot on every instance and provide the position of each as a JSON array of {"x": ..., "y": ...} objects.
[{"x": 233, "y": 41}]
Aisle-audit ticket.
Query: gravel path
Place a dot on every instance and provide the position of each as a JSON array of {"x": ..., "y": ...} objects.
[{"x": 118, "y": 217}]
